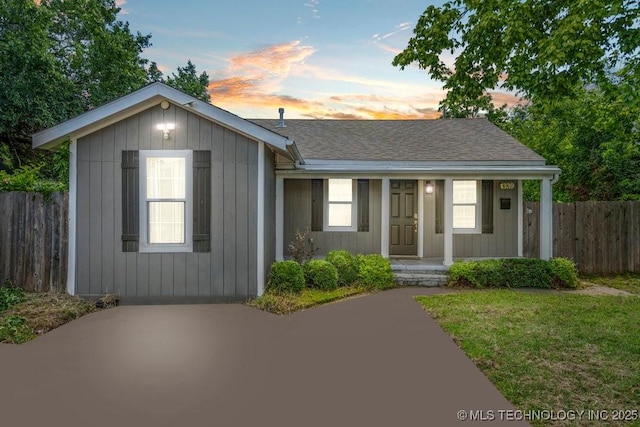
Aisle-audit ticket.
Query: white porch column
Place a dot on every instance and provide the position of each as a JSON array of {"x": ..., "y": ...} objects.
[
  {"x": 279, "y": 218},
  {"x": 420, "y": 218},
  {"x": 546, "y": 219},
  {"x": 384, "y": 216},
  {"x": 448, "y": 221},
  {"x": 520, "y": 219}
]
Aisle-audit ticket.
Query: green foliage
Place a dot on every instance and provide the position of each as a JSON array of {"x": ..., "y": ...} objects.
[
  {"x": 309, "y": 297},
  {"x": 374, "y": 271},
  {"x": 188, "y": 81},
  {"x": 10, "y": 296},
  {"x": 538, "y": 48},
  {"x": 286, "y": 276},
  {"x": 28, "y": 178},
  {"x": 15, "y": 330},
  {"x": 514, "y": 273},
  {"x": 346, "y": 265},
  {"x": 321, "y": 274}
]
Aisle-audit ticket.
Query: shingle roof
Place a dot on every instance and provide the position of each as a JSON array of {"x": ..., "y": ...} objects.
[{"x": 403, "y": 140}]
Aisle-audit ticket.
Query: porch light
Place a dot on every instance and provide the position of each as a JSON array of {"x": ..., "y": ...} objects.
[
  {"x": 428, "y": 187},
  {"x": 166, "y": 128}
]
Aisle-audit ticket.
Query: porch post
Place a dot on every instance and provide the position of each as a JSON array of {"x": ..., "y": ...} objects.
[
  {"x": 279, "y": 218},
  {"x": 384, "y": 216},
  {"x": 448, "y": 221},
  {"x": 546, "y": 219}
]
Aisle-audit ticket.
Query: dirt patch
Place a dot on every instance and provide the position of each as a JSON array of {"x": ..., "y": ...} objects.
[{"x": 594, "y": 289}]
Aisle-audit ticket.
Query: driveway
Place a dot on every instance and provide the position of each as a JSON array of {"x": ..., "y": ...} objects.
[{"x": 376, "y": 360}]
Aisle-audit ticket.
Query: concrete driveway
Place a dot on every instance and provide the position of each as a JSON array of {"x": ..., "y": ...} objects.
[{"x": 376, "y": 360}]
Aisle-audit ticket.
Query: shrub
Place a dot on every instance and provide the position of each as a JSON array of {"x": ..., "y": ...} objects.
[
  {"x": 302, "y": 247},
  {"x": 514, "y": 273},
  {"x": 285, "y": 276},
  {"x": 565, "y": 274},
  {"x": 347, "y": 266},
  {"x": 374, "y": 271},
  {"x": 10, "y": 295},
  {"x": 321, "y": 274}
]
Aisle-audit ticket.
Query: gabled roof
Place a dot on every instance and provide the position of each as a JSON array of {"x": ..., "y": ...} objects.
[
  {"x": 450, "y": 140},
  {"x": 145, "y": 98}
]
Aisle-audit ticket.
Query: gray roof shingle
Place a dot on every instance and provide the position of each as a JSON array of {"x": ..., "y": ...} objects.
[{"x": 457, "y": 140}]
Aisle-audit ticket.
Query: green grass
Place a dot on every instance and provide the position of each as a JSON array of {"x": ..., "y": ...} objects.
[
  {"x": 38, "y": 313},
  {"x": 625, "y": 282},
  {"x": 309, "y": 297},
  {"x": 549, "y": 351}
]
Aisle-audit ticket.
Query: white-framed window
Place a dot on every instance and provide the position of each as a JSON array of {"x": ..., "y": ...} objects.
[
  {"x": 166, "y": 199},
  {"x": 340, "y": 204},
  {"x": 466, "y": 206}
]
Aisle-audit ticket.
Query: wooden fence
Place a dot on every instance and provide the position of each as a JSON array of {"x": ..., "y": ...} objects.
[
  {"x": 33, "y": 240},
  {"x": 601, "y": 237}
]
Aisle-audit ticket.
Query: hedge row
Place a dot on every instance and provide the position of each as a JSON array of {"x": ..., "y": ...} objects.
[
  {"x": 515, "y": 273},
  {"x": 339, "y": 268}
]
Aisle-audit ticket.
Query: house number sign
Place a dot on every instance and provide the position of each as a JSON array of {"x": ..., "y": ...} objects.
[{"x": 507, "y": 185}]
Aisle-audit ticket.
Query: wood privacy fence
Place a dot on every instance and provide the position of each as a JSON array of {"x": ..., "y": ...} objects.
[
  {"x": 33, "y": 240},
  {"x": 601, "y": 237}
]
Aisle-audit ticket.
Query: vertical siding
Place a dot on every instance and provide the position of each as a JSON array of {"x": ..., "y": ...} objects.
[
  {"x": 269, "y": 212},
  {"x": 228, "y": 270},
  {"x": 502, "y": 243},
  {"x": 297, "y": 216}
]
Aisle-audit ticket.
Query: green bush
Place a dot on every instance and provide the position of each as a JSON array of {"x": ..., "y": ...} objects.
[
  {"x": 347, "y": 266},
  {"x": 374, "y": 271},
  {"x": 321, "y": 274},
  {"x": 285, "y": 276},
  {"x": 565, "y": 273},
  {"x": 10, "y": 296},
  {"x": 514, "y": 273}
]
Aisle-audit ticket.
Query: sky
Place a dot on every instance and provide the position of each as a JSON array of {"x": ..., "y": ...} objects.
[{"x": 321, "y": 59}]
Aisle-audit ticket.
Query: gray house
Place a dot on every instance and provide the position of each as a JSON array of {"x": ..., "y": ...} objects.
[{"x": 174, "y": 199}]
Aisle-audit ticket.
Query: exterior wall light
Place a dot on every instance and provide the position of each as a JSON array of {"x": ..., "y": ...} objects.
[
  {"x": 166, "y": 129},
  {"x": 428, "y": 187}
]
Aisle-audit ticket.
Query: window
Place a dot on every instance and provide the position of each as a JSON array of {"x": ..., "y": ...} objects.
[
  {"x": 465, "y": 205},
  {"x": 340, "y": 205},
  {"x": 165, "y": 200}
]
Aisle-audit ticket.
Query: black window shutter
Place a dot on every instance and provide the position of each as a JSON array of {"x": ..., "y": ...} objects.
[
  {"x": 202, "y": 201},
  {"x": 363, "y": 205},
  {"x": 487, "y": 206},
  {"x": 439, "y": 193},
  {"x": 130, "y": 201},
  {"x": 317, "y": 202}
]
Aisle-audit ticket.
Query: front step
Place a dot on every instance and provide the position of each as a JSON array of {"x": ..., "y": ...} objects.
[{"x": 420, "y": 278}]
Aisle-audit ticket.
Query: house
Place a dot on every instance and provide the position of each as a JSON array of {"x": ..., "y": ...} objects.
[{"x": 174, "y": 199}]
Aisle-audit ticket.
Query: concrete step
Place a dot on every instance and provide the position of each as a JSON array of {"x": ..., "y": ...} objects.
[{"x": 412, "y": 278}]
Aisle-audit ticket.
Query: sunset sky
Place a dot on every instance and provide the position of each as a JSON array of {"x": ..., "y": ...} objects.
[{"x": 316, "y": 58}]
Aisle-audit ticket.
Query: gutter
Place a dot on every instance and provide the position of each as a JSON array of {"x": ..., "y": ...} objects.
[{"x": 292, "y": 149}]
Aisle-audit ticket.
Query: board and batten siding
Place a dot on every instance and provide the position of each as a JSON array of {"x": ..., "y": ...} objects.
[
  {"x": 269, "y": 211},
  {"x": 297, "y": 216},
  {"x": 503, "y": 242},
  {"x": 227, "y": 272}
]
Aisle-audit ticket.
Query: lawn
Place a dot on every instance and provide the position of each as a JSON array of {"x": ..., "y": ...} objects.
[
  {"x": 625, "y": 282},
  {"x": 309, "y": 297},
  {"x": 24, "y": 316},
  {"x": 549, "y": 351}
]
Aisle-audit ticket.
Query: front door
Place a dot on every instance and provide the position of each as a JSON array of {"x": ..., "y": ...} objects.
[{"x": 403, "y": 226}]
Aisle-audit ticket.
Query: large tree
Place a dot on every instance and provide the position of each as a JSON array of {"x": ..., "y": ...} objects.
[{"x": 537, "y": 48}]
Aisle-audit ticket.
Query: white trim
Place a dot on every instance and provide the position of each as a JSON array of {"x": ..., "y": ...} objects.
[
  {"x": 147, "y": 97},
  {"x": 187, "y": 246},
  {"x": 480, "y": 169},
  {"x": 479, "y": 173},
  {"x": 520, "y": 220},
  {"x": 260, "y": 225},
  {"x": 353, "y": 203},
  {"x": 448, "y": 222},
  {"x": 420, "y": 218},
  {"x": 279, "y": 218},
  {"x": 73, "y": 201},
  {"x": 384, "y": 218},
  {"x": 546, "y": 220}
]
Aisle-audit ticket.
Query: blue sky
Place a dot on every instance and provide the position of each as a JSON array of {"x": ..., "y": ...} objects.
[{"x": 315, "y": 58}]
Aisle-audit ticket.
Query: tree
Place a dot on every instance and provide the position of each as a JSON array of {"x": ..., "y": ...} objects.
[
  {"x": 537, "y": 48},
  {"x": 188, "y": 81}
]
